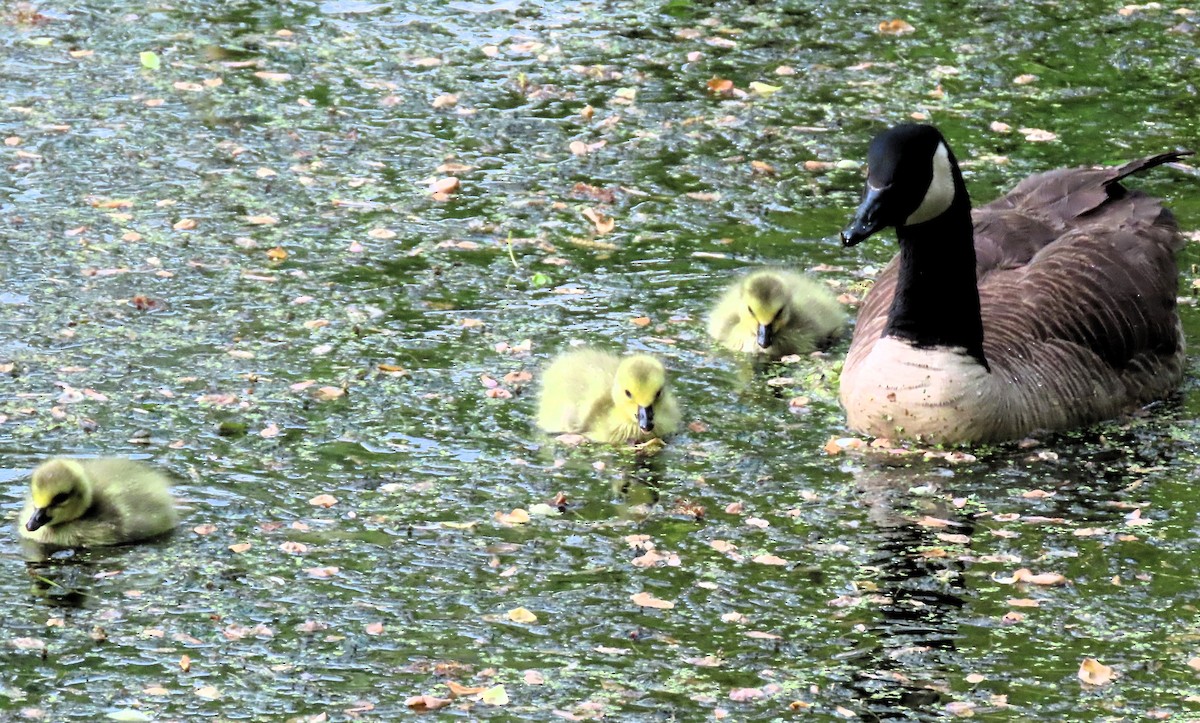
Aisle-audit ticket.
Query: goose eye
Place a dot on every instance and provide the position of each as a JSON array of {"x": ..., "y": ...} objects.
[
  {"x": 59, "y": 498},
  {"x": 750, "y": 310},
  {"x": 657, "y": 395},
  {"x": 628, "y": 394}
]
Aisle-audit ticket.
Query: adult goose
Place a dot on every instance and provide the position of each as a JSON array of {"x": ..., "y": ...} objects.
[{"x": 1052, "y": 307}]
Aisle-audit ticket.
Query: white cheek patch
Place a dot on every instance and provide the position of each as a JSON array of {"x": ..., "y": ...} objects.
[{"x": 940, "y": 194}]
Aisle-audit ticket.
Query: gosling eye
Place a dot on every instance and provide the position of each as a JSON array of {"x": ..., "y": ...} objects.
[
  {"x": 628, "y": 394},
  {"x": 657, "y": 395},
  {"x": 750, "y": 310},
  {"x": 59, "y": 498}
]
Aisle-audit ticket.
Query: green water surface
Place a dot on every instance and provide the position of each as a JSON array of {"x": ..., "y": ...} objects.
[{"x": 220, "y": 253}]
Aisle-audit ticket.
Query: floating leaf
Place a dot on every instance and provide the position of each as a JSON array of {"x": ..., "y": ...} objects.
[
  {"x": 496, "y": 695},
  {"x": 1037, "y": 135},
  {"x": 272, "y": 76},
  {"x": 895, "y": 27},
  {"x": 446, "y": 185},
  {"x": 720, "y": 86},
  {"x": 602, "y": 223},
  {"x": 149, "y": 60},
  {"x": 516, "y": 517},
  {"x": 521, "y": 615},
  {"x": 325, "y": 501},
  {"x": 1093, "y": 672},
  {"x": 646, "y": 600},
  {"x": 426, "y": 702}
]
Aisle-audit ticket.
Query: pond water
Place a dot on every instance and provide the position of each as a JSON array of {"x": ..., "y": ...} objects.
[{"x": 221, "y": 253}]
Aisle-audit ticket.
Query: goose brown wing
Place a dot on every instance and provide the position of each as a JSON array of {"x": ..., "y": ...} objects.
[
  {"x": 1014, "y": 227},
  {"x": 1107, "y": 287}
]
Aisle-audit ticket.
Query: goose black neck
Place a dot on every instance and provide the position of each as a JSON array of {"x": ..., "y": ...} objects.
[{"x": 937, "y": 299}]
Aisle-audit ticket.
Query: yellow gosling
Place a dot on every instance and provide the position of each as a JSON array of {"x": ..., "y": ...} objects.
[
  {"x": 607, "y": 398},
  {"x": 96, "y": 502},
  {"x": 774, "y": 312}
]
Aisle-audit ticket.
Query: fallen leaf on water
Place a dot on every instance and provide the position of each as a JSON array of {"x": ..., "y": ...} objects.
[
  {"x": 445, "y": 100},
  {"x": 496, "y": 695},
  {"x": 895, "y": 27},
  {"x": 426, "y": 702},
  {"x": 517, "y": 517},
  {"x": 764, "y": 89},
  {"x": 208, "y": 692},
  {"x": 375, "y": 628},
  {"x": 446, "y": 185},
  {"x": 961, "y": 708},
  {"x": 534, "y": 677},
  {"x": 261, "y": 220},
  {"x": 1024, "y": 574},
  {"x": 720, "y": 86},
  {"x": 458, "y": 690},
  {"x": 240, "y": 547},
  {"x": 1037, "y": 135},
  {"x": 769, "y": 560},
  {"x": 326, "y": 394},
  {"x": 640, "y": 321},
  {"x": 28, "y": 643},
  {"x": 930, "y": 521},
  {"x": 646, "y": 600},
  {"x": 1093, "y": 672},
  {"x": 326, "y": 501},
  {"x": 744, "y": 694},
  {"x": 321, "y": 572},
  {"x": 1023, "y": 602},
  {"x": 521, "y": 615},
  {"x": 277, "y": 253},
  {"x": 184, "y": 224},
  {"x": 204, "y": 529},
  {"x": 837, "y": 445},
  {"x": 272, "y": 76},
  {"x": 603, "y": 224},
  {"x": 762, "y": 167},
  {"x": 1025, "y": 79}
]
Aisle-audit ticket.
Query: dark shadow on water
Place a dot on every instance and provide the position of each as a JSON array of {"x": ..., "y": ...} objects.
[{"x": 918, "y": 602}]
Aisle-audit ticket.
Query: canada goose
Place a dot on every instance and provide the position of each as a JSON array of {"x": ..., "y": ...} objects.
[
  {"x": 607, "y": 398},
  {"x": 774, "y": 313},
  {"x": 93, "y": 502},
  {"x": 1052, "y": 307}
]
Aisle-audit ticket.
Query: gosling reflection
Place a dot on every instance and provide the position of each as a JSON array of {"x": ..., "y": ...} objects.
[{"x": 637, "y": 487}]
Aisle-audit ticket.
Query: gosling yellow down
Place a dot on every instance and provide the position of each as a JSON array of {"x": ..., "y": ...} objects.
[
  {"x": 95, "y": 502},
  {"x": 774, "y": 312},
  {"x": 607, "y": 398}
]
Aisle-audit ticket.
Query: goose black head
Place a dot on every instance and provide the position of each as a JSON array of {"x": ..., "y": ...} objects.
[{"x": 911, "y": 179}]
